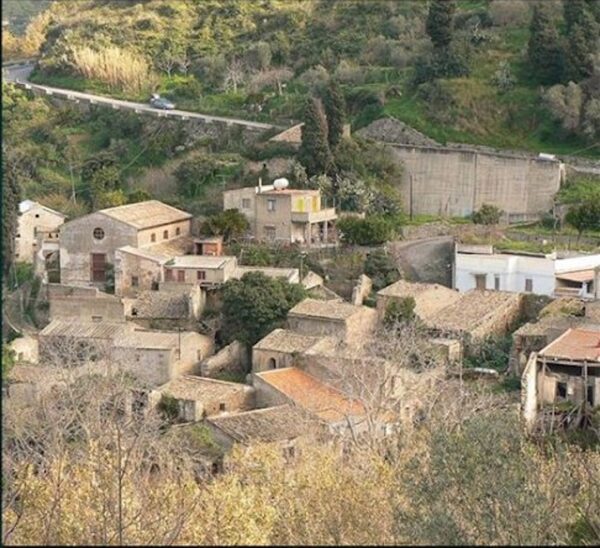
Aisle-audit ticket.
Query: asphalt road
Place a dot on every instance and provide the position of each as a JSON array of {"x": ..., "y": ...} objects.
[{"x": 20, "y": 74}]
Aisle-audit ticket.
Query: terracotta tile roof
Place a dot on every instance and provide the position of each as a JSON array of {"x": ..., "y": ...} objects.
[
  {"x": 310, "y": 394},
  {"x": 272, "y": 424},
  {"x": 146, "y": 214},
  {"x": 577, "y": 276},
  {"x": 403, "y": 288},
  {"x": 334, "y": 310},
  {"x": 576, "y": 344},
  {"x": 283, "y": 340},
  {"x": 189, "y": 387},
  {"x": 160, "y": 252}
]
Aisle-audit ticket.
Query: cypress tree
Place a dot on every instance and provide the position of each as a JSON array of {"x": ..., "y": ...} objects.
[
  {"x": 11, "y": 196},
  {"x": 315, "y": 154},
  {"x": 544, "y": 52},
  {"x": 581, "y": 36},
  {"x": 439, "y": 23},
  {"x": 335, "y": 107}
]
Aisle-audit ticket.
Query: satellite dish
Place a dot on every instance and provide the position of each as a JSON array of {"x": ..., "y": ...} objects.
[{"x": 280, "y": 184}]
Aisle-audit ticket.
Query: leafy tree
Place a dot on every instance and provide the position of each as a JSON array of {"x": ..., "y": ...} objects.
[
  {"x": 439, "y": 22},
  {"x": 193, "y": 175},
  {"x": 105, "y": 187},
  {"x": 380, "y": 267},
  {"x": 400, "y": 311},
  {"x": 11, "y": 196},
  {"x": 335, "y": 108},
  {"x": 543, "y": 50},
  {"x": 585, "y": 216},
  {"x": 487, "y": 215},
  {"x": 138, "y": 195},
  {"x": 255, "y": 305},
  {"x": 230, "y": 223},
  {"x": 314, "y": 153}
]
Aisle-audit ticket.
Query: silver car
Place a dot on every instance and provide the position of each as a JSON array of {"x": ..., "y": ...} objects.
[{"x": 161, "y": 103}]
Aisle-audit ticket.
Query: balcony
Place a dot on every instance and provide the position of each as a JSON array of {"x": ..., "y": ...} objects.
[{"x": 327, "y": 214}]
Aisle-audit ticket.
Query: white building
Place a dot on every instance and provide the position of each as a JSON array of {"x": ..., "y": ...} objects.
[
  {"x": 482, "y": 267},
  {"x": 35, "y": 219}
]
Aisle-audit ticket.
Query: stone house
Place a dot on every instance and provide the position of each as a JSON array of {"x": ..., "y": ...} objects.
[
  {"x": 153, "y": 356},
  {"x": 199, "y": 397},
  {"x": 209, "y": 245},
  {"x": 341, "y": 320},
  {"x": 321, "y": 401},
  {"x": 562, "y": 273},
  {"x": 429, "y": 298},
  {"x": 88, "y": 244},
  {"x": 87, "y": 304},
  {"x": 478, "y": 315},
  {"x": 283, "y": 425},
  {"x": 177, "y": 304},
  {"x": 284, "y": 215},
  {"x": 34, "y": 218},
  {"x": 200, "y": 269},
  {"x": 567, "y": 371},
  {"x": 282, "y": 348}
]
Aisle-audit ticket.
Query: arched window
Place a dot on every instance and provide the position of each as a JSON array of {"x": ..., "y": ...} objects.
[{"x": 272, "y": 364}]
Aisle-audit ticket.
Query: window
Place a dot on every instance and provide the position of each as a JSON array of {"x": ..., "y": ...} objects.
[
  {"x": 134, "y": 312},
  {"x": 177, "y": 231},
  {"x": 496, "y": 283},
  {"x": 181, "y": 275},
  {"x": 96, "y": 318},
  {"x": 169, "y": 275},
  {"x": 480, "y": 281},
  {"x": 271, "y": 205},
  {"x": 98, "y": 261},
  {"x": 590, "y": 395},
  {"x": 135, "y": 281},
  {"x": 98, "y": 233},
  {"x": 221, "y": 407},
  {"x": 37, "y": 215},
  {"x": 18, "y": 235},
  {"x": 528, "y": 285},
  {"x": 561, "y": 390},
  {"x": 153, "y": 237},
  {"x": 200, "y": 275},
  {"x": 272, "y": 363},
  {"x": 165, "y": 234},
  {"x": 270, "y": 232},
  {"x": 246, "y": 203}
]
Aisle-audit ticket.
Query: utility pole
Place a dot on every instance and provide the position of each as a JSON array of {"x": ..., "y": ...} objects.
[
  {"x": 179, "y": 342},
  {"x": 411, "y": 195}
]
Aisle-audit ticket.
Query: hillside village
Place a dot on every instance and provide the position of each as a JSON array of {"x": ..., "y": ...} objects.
[{"x": 332, "y": 327}]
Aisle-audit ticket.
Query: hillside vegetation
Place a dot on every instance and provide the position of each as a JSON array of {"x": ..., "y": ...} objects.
[{"x": 260, "y": 60}]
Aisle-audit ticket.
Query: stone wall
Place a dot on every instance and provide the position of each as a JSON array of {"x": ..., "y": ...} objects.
[
  {"x": 361, "y": 290},
  {"x": 232, "y": 359}
]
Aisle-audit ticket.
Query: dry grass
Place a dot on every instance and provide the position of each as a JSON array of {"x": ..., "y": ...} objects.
[{"x": 119, "y": 68}]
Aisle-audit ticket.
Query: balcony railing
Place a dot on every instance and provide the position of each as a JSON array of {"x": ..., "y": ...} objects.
[{"x": 327, "y": 214}]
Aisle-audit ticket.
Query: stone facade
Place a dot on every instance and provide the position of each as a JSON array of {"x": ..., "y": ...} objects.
[
  {"x": 83, "y": 304},
  {"x": 233, "y": 358},
  {"x": 34, "y": 218},
  {"x": 88, "y": 245}
]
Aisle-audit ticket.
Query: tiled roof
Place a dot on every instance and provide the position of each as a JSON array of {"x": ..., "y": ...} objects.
[
  {"x": 161, "y": 252},
  {"x": 335, "y": 310},
  {"x": 473, "y": 309},
  {"x": 576, "y": 344},
  {"x": 283, "y": 340},
  {"x": 577, "y": 276},
  {"x": 290, "y": 135},
  {"x": 189, "y": 387},
  {"x": 83, "y": 329},
  {"x": 161, "y": 305},
  {"x": 403, "y": 288},
  {"x": 147, "y": 338},
  {"x": 263, "y": 425},
  {"x": 307, "y": 392},
  {"x": 146, "y": 214}
]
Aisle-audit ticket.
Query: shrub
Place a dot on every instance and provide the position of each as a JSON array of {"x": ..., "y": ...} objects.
[
  {"x": 348, "y": 72},
  {"x": 372, "y": 230},
  {"x": 492, "y": 353},
  {"x": 400, "y": 311},
  {"x": 487, "y": 215},
  {"x": 380, "y": 267},
  {"x": 503, "y": 78},
  {"x": 229, "y": 224},
  {"x": 169, "y": 407},
  {"x": 509, "y": 13},
  {"x": 315, "y": 77}
]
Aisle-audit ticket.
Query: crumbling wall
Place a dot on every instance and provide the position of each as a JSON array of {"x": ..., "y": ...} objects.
[{"x": 232, "y": 359}]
